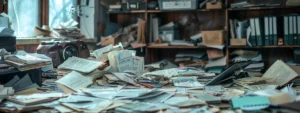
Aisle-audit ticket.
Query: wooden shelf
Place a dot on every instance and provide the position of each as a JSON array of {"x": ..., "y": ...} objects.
[
  {"x": 159, "y": 11},
  {"x": 199, "y": 10},
  {"x": 261, "y": 8},
  {"x": 260, "y": 47},
  {"x": 177, "y": 47},
  {"x": 122, "y": 12}
]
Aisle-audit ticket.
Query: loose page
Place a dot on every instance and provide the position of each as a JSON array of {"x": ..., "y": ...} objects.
[
  {"x": 280, "y": 73},
  {"x": 138, "y": 64},
  {"x": 125, "y": 78},
  {"x": 124, "y": 61},
  {"x": 165, "y": 73},
  {"x": 80, "y": 64},
  {"x": 75, "y": 81},
  {"x": 99, "y": 52}
]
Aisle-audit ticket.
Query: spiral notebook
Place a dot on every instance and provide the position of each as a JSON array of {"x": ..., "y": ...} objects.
[{"x": 253, "y": 102}]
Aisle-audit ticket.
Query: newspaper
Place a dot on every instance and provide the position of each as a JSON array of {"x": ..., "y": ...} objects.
[{"x": 80, "y": 64}]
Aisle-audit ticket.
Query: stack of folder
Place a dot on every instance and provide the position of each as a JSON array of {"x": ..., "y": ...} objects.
[
  {"x": 291, "y": 29},
  {"x": 263, "y": 31}
]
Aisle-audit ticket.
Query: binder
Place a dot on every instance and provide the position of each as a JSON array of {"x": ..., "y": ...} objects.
[
  {"x": 298, "y": 28},
  {"x": 248, "y": 102},
  {"x": 258, "y": 32},
  {"x": 271, "y": 30},
  {"x": 290, "y": 35},
  {"x": 267, "y": 34},
  {"x": 252, "y": 36},
  {"x": 275, "y": 37},
  {"x": 295, "y": 36},
  {"x": 286, "y": 30}
]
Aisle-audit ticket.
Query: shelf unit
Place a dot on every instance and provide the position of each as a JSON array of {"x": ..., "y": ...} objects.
[{"x": 220, "y": 19}]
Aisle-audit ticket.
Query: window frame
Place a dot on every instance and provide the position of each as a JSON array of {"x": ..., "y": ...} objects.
[{"x": 44, "y": 16}]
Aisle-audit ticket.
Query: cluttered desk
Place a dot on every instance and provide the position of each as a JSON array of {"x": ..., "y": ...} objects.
[{"x": 116, "y": 80}]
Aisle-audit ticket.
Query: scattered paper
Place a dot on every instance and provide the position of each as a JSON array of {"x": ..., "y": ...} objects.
[
  {"x": 75, "y": 81},
  {"x": 186, "y": 82},
  {"x": 99, "y": 52},
  {"x": 168, "y": 73}
]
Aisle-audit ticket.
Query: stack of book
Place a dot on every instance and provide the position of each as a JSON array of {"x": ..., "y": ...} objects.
[{"x": 256, "y": 67}]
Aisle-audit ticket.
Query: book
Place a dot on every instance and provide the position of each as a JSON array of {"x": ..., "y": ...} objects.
[
  {"x": 295, "y": 36},
  {"x": 267, "y": 33},
  {"x": 253, "y": 34},
  {"x": 290, "y": 35},
  {"x": 298, "y": 28},
  {"x": 80, "y": 65},
  {"x": 286, "y": 30},
  {"x": 258, "y": 32},
  {"x": 270, "y": 23},
  {"x": 250, "y": 102},
  {"x": 275, "y": 37},
  {"x": 155, "y": 29},
  {"x": 232, "y": 29}
]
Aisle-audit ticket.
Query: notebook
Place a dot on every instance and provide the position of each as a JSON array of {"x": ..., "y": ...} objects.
[{"x": 250, "y": 102}]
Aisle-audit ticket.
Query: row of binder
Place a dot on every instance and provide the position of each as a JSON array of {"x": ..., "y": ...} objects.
[
  {"x": 291, "y": 30},
  {"x": 263, "y": 31}
]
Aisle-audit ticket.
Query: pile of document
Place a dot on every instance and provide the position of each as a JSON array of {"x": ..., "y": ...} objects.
[
  {"x": 192, "y": 58},
  {"x": 118, "y": 81},
  {"x": 257, "y": 65},
  {"x": 27, "y": 61}
]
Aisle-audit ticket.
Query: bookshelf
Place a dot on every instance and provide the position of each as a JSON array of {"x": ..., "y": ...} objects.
[{"x": 214, "y": 19}]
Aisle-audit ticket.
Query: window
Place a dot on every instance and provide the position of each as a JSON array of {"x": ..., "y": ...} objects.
[
  {"x": 60, "y": 11},
  {"x": 25, "y": 15}
]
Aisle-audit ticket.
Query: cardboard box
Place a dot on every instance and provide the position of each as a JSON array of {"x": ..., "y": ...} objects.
[
  {"x": 107, "y": 41},
  {"x": 214, "y": 54},
  {"x": 238, "y": 42},
  {"x": 211, "y": 5},
  {"x": 213, "y": 37}
]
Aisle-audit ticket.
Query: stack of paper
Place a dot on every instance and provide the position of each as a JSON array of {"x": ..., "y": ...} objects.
[
  {"x": 192, "y": 58},
  {"x": 34, "y": 99},
  {"x": 27, "y": 62}
]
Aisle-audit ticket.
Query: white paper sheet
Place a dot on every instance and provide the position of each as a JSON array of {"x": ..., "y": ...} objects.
[
  {"x": 75, "y": 81},
  {"x": 280, "y": 73},
  {"x": 80, "y": 64}
]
